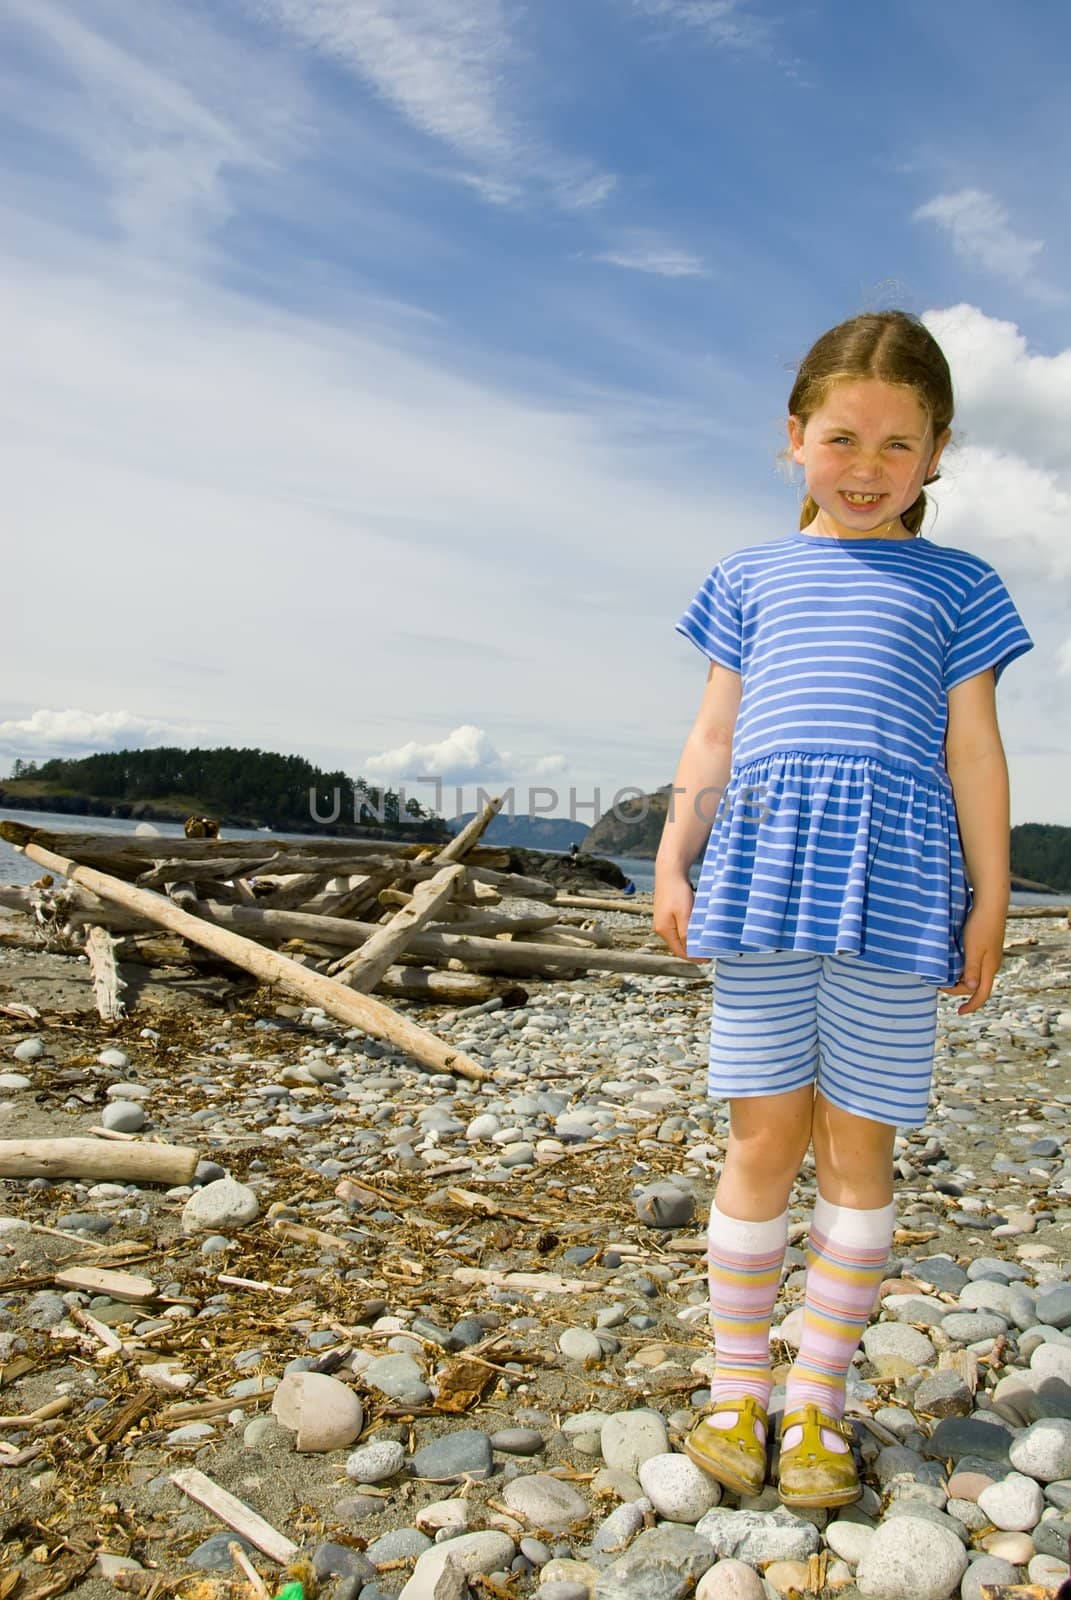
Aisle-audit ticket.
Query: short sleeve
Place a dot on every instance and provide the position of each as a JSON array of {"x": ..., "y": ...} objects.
[
  {"x": 989, "y": 632},
  {"x": 712, "y": 621}
]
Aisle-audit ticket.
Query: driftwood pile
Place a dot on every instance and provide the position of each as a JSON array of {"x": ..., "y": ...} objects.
[{"x": 329, "y": 920}]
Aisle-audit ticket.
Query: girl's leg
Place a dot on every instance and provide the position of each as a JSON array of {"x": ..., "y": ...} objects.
[
  {"x": 746, "y": 1239},
  {"x": 851, "y": 1234},
  {"x": 746, "y": 1249}
]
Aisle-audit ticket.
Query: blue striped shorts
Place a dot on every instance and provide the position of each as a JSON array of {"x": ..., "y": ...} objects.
[{"x": 786, "y": 1018}]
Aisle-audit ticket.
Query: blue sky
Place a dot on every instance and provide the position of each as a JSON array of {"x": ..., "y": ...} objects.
[{"x": 384, "y": 376}]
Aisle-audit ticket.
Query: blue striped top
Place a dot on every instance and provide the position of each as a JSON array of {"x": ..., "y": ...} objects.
[{"x": 837, "y": 831}]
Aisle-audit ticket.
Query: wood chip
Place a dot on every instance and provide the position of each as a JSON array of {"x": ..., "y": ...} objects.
[
  {"x": 71, "y": 1564},
  {"x": 534, "y": 1282},
  {"x": 124, "y": 1286},
  {"x": 112, "y": 1344},
  {"x": 236, "y": 1514}
]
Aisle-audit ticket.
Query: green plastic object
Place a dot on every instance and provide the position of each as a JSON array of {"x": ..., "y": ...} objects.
[{"x": 291, "y": 1591}]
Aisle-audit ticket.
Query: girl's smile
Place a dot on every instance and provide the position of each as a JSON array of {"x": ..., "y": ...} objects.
[{"x": 865, "y": 451}]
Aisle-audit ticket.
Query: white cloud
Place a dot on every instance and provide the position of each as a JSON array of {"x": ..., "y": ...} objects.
[
  {"x": 1009, "y": 396},
  {"x": 982, "y": 234},
  {"x": 452, "y": 70},
  {"x": 1006, "y": 485},
  {"x": 169, "y": 113},
  {"x": 661, "y": 260},
  {"x": 466, "y": 755},
  {"x": 723, "y": 22},
  {"x": 47, "y": 733}
]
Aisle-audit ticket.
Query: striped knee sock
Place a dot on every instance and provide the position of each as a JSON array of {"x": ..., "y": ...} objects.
[
  {"x": 847, "y": 1255},
  {"x": 744, "y": 1262}
]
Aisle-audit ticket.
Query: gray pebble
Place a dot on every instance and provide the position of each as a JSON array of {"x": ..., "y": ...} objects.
[
  {"x": 123, "y": 1116},
  {"x": 517, "y": 1441},
  {"x": 454, "y": 1456}
]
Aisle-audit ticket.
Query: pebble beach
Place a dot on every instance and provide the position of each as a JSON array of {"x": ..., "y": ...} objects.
[{"x": 447, "y": 1338}]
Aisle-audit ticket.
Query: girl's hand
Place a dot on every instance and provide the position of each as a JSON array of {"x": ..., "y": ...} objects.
[
  {"x": 983, "y": 948},
  {"x": 673, "y": 901}
]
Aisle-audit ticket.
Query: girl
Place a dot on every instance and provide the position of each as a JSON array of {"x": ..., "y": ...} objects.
[{"x": 848, "y": 731}]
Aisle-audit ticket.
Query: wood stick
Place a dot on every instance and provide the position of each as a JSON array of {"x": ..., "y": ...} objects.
[
  {"x": 516, "y": 956},
  {"x": 356, "y": 1010},
  {"x": 141, "y": 848},
  {"x": 124, "y": 1286},
  {"x": 634, "y": 906},
  {"x": 170, "y": 1164},
  {"x": 236, "y": 1514},
  {"x": 253, "y": 1578},
  {"x": 462, "y": 843},
  {"x": 108, "y": 983},
  {"x": 378, "y": 951}
]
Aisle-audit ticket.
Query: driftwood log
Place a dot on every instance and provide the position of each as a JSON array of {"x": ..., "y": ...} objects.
[
  {"x": 501, "y": 955},
  {"x": 99, "y": 1159},
  {"x": 368, "y": 964},
  {"x": 108, "y": 982},
  {"x": 355, "y": 1010}
]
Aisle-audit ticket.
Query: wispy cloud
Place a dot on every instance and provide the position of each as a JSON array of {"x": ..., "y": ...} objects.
[
  {"x": 168, "y": 116},
  {"x": 982, "y": 234},
  {"x": 47, "y": 733},
  {"x": 452, "y": 70},
  {"x": 661, "y": 260},
  {"x": 724, "y": 22}
]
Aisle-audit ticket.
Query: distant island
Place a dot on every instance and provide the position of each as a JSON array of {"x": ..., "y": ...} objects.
[
  {"x": 240, "y": 788},
  {"x": 524, "y": 832}
]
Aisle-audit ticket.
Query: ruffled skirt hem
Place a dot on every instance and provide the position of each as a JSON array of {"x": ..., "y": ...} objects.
[{"x": 837, "y": 855}]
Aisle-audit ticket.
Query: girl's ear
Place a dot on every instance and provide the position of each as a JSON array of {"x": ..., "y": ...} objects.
[
  {"x": 938, "y": 450},
  {"x": 795, "y": 439}
]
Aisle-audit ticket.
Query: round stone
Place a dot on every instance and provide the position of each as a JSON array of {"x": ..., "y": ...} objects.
[
  {"x": 910, "y": 1556},
  {"x": 123, "y": 1116},
  {"x": 374, "y": 1462},
  {"x": 895, "y": 1350},
  {"x": 631, "y": 1437},
  {"x": 1014, "y": 1504},
  {"x": 759, "y": 1536},
  {"x": 1014, "y": 1547},
  {"x": 1047, "y": 1570},
  {"x": 116, "y": 1059},
  {"x": 400, "y": 1544},
  {"x": 662, "y": 1205},
  {"x": 580, "y": 1344},
  {"x": 517, "y": 1441},
  {"x": 982, "y": 1573},
  {"x": 967, "y": 1327},
  {"x": 546, "y": 1502},
  {"x": 29, "y": 1050},
  {"x": 678, "y": 1489},
  {"x": 848, "y": 1540},
  {"x": 1043, "y": 1451},
  {"x": 223, "y": 1204},
  {"x": 466, "y": 1453},
  {"x": 1052, "y": 1360},
  {"x": 14, "y": 1082},
  {"x": 730, "y": 1580}
]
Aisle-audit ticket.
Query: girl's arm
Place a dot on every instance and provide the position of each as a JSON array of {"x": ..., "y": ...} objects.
[
  {"x": 700, "y": 780},
  {"x": 978, "y": 769}
]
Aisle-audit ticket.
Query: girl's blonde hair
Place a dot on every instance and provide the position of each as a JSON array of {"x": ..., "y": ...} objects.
[{"x": 893, "y": 346}]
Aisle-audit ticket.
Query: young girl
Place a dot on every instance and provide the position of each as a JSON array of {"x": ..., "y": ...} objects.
[{"x": 848, "y": 748}]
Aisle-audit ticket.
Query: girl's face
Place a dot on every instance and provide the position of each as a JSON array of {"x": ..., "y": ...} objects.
[{"x": 865, "y": 453}]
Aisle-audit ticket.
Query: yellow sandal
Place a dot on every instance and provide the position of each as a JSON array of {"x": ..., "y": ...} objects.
[
  {"x": 809, "y": 1473},
  {"x": 732, "y": 1455}
]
